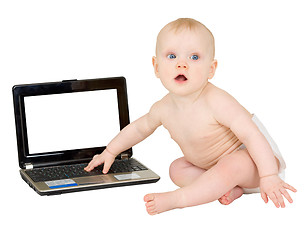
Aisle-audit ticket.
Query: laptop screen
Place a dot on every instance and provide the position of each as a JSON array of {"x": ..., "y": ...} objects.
[{"x": 68, "y": 121}]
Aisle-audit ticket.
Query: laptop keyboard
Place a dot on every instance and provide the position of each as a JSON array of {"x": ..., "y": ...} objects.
[{"x": 77, "y": 170}]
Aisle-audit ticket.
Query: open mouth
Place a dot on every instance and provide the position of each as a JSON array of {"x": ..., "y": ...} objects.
[{"x": 181, "y": 78}]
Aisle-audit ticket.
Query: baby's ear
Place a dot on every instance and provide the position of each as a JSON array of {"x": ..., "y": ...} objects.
[
  {"x": 212, "y": 69},
  {"x": 155, "y": 65}
]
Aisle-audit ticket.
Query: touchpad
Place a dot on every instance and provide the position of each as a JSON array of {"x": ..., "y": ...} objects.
[{"x": 89, "y": 180}]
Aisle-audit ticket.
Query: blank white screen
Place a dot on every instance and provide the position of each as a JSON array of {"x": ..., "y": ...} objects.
[{"x": 71, "y": 120}]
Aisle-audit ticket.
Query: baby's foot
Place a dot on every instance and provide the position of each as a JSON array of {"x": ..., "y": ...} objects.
[
  {"x": 161, "y": 202},
  {"x": 230, "y": 196}
]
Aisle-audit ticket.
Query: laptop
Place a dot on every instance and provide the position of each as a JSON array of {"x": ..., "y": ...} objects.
[{"x": 60, "y": 126}]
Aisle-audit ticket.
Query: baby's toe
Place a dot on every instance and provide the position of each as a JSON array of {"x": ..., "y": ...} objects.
[
  {"x": 150, "y": 203},
  {"x": 149, "y": 197},
  {"x": 151, "y": 211},
  {"x": 224, "y": 200}
]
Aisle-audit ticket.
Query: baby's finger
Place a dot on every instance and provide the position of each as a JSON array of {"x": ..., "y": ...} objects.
[
  {"x": 107, "y": 166},
  {"x": 264, "y": 197},
  {"x": 280, "y": 199},
  {"x": 286, "y": 185},
  {"x": 89, "y": 167},
  {"x": 286, "y": 195},
  {"x": 92, "y": 164},
  {"x": 274, "y": 199}
]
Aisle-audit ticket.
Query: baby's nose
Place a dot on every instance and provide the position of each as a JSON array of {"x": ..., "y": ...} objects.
[{"x": 182, "y": 65}]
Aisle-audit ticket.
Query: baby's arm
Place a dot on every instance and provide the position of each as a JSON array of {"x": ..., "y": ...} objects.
[
  {"x": 230, "y": 113},
  {"x": 128, "y": 137}
]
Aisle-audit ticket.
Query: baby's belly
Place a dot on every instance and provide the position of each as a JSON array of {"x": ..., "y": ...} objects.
[{"x": 206, "y": 152}]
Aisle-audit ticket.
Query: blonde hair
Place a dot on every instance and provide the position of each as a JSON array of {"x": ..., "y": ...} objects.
[{"x": 190, "y": 24}]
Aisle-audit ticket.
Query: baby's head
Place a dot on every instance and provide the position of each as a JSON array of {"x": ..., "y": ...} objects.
[
  {"x": 184, "y": 58},
  {"x": 190, "y": 24}
]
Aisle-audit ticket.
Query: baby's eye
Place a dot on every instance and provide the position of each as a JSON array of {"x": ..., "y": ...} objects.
[
  {"x": 171, "y": 56},
  {"x": 194, "y": 57}
]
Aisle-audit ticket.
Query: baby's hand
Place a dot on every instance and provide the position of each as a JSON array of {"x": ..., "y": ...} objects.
[
  {"x": 105, "y": 157},
  {"x": 273, "y": 187}
]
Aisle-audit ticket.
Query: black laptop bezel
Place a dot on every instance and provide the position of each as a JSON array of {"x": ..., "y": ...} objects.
[{"x": 66, "y": 86}]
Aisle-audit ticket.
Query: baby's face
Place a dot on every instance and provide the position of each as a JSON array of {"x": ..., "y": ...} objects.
[{"x": 184, "y": 60}]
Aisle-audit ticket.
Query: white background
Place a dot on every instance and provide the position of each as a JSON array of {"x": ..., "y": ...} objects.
[{"x": 261, "y": 50}]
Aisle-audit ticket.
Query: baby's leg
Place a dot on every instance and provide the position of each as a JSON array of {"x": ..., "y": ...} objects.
[
  {"x": 183, "y": 173},
  {"x": 237, "y": 169}
]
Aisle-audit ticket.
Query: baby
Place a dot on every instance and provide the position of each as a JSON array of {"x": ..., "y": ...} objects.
[{"x": 226, "y": 150}]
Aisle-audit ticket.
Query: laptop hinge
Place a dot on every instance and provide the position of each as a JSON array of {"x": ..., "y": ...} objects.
[
  {"x": 124, "y": 156},
  {"x": 28, "y": 165}
]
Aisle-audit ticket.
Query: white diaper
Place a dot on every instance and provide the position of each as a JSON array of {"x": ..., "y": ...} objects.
[{"x": 282, "y": 164}]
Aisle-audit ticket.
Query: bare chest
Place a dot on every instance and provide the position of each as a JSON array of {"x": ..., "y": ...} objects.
[
  {"x": 202, "y": 140},
  {"x": 189, "y": 127}
]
